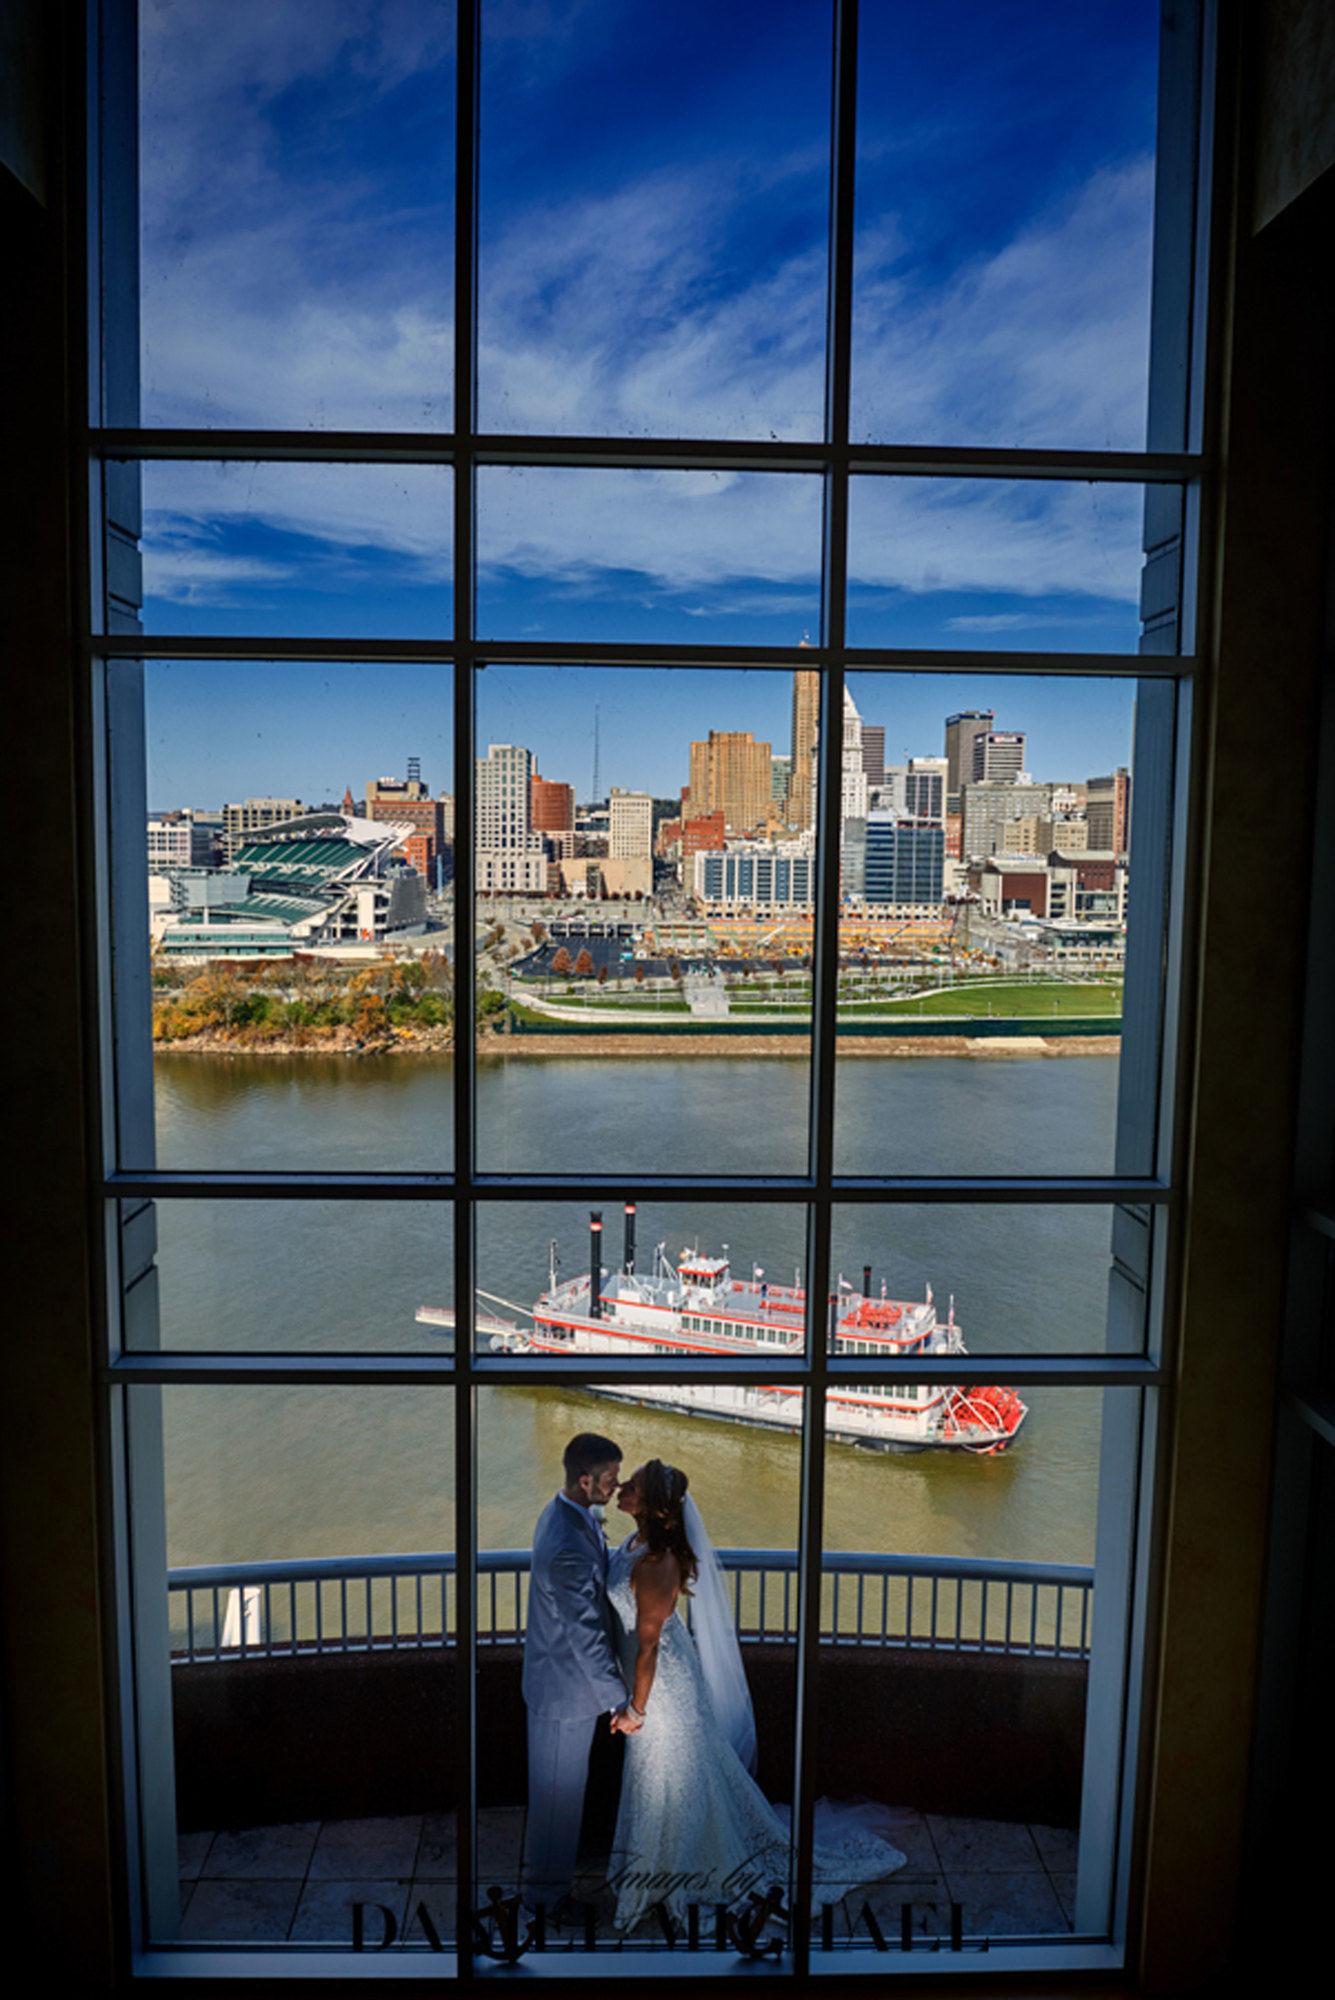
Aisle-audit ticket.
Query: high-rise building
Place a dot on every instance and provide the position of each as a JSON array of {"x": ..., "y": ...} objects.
[
  {"x": 406, "y": 802},
  {"x": 905, "y": 862},
  {"x": 960, "y": 732},
  {"x": 873, "y": 751},
  {"x": 998, "y": 757},
  {"x": 179, "y": 840},
  {"x": 510, "y": 858},
  {"x": 630, "y": 834},
  {"x": 730, "y": 773},
  {"x": 551, "y": 805},
  {"x": 393, "y": 792},
  {"x": 806, "y": 721},
  {"x": 925, "y": 784},
  {"x": 990, "y": 809},
  {"x": 252, "y": 816},
  {"x": 781, "y": 771},
  {"x": 1108, "y": 811},
  {"x": 853, "y": 777}
]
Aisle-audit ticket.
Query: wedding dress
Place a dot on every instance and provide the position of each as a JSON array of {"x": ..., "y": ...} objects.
[{"x": 693, "y": 1825}]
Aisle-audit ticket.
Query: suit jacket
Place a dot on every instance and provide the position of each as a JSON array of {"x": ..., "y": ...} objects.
[{"x": 570, "y": 1663}]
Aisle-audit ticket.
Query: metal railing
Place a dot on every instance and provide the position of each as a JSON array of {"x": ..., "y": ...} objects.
[{"x": 391, "y": 1603}]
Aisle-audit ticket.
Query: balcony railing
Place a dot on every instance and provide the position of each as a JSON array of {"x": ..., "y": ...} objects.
[{"x": 386, "y": 1603}]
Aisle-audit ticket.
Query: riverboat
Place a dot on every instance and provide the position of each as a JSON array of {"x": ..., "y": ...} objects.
[{"x": 696, "y": 1308}]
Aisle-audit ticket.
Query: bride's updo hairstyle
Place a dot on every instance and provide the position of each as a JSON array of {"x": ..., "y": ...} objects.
[{"x": 662, "y": 1527}]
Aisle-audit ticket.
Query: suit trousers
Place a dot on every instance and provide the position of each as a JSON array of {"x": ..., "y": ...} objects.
[{"x": 558, "y": 1772}]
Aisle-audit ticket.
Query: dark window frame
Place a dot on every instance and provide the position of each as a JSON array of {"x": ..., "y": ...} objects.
[{"x": 1168, "y": 669}]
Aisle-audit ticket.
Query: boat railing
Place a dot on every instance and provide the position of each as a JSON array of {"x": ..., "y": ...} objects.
[{"x": 387, "y": 1603}]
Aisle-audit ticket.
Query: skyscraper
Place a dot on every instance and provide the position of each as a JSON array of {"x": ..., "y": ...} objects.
[
  {"x": 997, "y": 754},
  {"x": 509, "y": 853},
  {"x": 873, "y": 752},
  {"x": 806, "y": 719},
  {"x": 630, "y": 832},
  {"x": 960, "y": 732},
  {"x": 730, "y": 773}
]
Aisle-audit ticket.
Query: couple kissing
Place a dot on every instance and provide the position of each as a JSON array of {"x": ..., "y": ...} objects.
[{"x": 605, "y": 1648}]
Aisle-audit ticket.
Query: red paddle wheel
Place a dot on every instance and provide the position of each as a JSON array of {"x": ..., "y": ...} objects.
[{"x": 983, "y": 1420}]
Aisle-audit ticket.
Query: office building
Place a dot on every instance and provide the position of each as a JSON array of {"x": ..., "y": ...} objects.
[
  {"x": 551, "y": 805},
  {"x": 730, "y": 773},
  {"x": 873, "y": 751},
  {"x": 254, "y": 816},
  {"x": 510, "y": 858},
  {"x": 998, "y": 756},
  {"x": 630, "y": 830},
  {"x": 925, "y": 784},
  {"x": 988, "y": 808},
  {"x": 961, "y": 730},
  {"x": 179, "y": 840},
  {"x": 1108, "y": 810},
  {"x": 806, "y": 722},
  {"x": 905, "y": 863},
  {"x": 756, "y": 875}
]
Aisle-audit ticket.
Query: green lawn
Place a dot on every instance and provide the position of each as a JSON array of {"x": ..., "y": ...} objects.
[{"x": 1019, "y": 1001}]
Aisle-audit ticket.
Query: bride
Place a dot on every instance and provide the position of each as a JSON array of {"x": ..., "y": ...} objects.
[{"x": 693, "y": 1825}]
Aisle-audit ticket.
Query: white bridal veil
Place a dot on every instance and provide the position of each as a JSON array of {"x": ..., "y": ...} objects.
[{"x": 715, "y": 1632}]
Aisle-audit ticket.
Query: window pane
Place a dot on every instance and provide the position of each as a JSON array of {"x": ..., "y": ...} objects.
[
  {"x": 319, "y": 551},
  {"x": 296, "y": 176},
  {"x": 659, "y": 266},
  {"x": 645, "y": 880},
  {"x": 1022, "y": 565},
  {"x": 969, "y": 1628},
  {"x": 662, "y": 1830},
  {"x": 681, "y": 557},
  {"x": 303, "y": 1680},
  {"x": 1005, "y": 210},
  {"x": 298, "y": 932},
  {"x": 301, "y": 1277},
  {"x": 675, "y": 1278},
  {"x": 934, "y": 1278},
  {"x": 987, "y": 829}
]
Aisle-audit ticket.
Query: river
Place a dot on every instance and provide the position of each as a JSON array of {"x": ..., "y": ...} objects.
[{"x": 295, "y": 1472}]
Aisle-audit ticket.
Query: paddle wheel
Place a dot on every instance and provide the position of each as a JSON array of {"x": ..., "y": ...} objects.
[{"x": 983, "y": 1420}]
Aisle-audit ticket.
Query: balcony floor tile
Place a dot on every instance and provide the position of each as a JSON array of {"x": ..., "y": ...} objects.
[
  {"x": 367, "y": 1849},
  {"x": 240, "y": 1912},
  {"x": 263, "y": 1853},
  {"x": 192, "y": 1852},
  {"x": 984, "y": 1846},
  {"x": 324, "y": 1914},
  {"x": 438, "y": 1855},
  {"x": 1057, "y": 1845},
  {"x": 1000, "y": 1904}
]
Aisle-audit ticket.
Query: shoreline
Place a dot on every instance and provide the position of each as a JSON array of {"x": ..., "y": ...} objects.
[{"x": 694, "y": 1046}]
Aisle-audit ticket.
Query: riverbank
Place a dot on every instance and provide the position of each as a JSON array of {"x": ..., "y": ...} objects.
[{"x": 692, "y": 1043}]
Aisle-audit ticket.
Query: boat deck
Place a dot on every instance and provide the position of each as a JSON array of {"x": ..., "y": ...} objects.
[{"x": 294, "y": 1884}]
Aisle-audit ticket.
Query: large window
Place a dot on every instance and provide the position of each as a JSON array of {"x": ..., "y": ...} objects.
[{"x": 641, "y": 650}]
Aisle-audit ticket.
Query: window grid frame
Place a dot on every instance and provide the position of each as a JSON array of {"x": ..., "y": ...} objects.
[{"x": 837, "y": 460}]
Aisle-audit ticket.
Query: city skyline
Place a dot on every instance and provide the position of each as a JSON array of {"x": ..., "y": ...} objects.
[{"x": 218, "y": 731}]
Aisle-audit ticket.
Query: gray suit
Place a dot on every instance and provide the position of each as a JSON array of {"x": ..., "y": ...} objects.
[{"x": 571, "y": 1680}]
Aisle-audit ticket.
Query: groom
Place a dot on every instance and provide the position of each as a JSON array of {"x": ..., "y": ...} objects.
[{"x": 571, "y": 1677}]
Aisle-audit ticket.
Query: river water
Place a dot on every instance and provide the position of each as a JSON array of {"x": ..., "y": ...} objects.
[{"x": 296, "y": 1472}]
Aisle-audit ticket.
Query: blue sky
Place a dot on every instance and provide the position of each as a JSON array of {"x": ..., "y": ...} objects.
[
  {"x": 653, "y": 186},
  {"x": 224, "y": 730}
]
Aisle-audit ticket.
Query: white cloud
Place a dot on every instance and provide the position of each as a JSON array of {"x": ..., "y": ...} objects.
[{"x": 273, "y": 299}]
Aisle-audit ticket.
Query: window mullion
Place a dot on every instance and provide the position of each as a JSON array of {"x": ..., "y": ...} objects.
[
  {"x": 825, "y": 958},
  {"x": 464, "y": 571}
]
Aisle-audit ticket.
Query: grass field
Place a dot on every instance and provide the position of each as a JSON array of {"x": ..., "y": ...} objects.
[{"x": 968, "y": 1000}]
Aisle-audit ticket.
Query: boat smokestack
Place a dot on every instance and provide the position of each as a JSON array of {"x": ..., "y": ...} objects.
[
  {"x": 866, "y": 1281},
  {"x": 629, "y": 1259},
  {"x": 595, "y": 1263}
]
